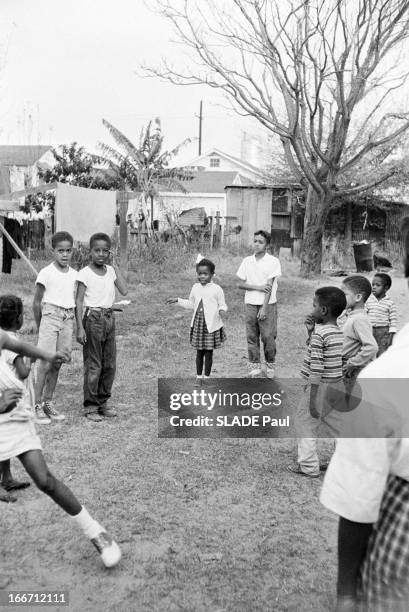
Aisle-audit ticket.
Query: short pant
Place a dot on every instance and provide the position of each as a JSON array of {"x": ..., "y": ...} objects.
[{"x": 56, "y": 329}]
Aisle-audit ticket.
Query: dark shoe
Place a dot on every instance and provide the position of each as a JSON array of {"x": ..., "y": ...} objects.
[
  {"x": 295, "y": 469},
  {"x": 94, "y": 416},
  {"x": 14, "y": 485},
  {"x": 107, "y": 412},
  {"x": 6, "y": 497}
]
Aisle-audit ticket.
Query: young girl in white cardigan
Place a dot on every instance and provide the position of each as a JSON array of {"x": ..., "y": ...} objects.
[{"x": 206, "y": 329}]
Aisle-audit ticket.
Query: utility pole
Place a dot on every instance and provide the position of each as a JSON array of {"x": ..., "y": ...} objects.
[{"x": 200, "y": 126}]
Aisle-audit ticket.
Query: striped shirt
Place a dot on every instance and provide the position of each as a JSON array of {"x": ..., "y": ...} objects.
[
  {"x": 323, "y": 360},
  {"x": 382, "y": 313}
]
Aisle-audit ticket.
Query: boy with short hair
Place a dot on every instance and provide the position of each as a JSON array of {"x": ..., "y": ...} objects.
[
  {"x": 360, "y": 346},
  {"x": 322, "y": 367},
  {"x": 259, "y": 273},
  {"x": 382, "y": 312},
  {"x": 54, "y": 313},
  {"x": 96, "y": 330}
]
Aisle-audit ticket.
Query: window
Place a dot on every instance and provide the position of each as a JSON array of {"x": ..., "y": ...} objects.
[{"x": 215, "y": 162}]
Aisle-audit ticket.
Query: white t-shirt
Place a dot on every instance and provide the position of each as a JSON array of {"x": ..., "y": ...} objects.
[
  {"x": 257, "y": 272},
  {"x": 59, "y": 286},
  {"x": 100, "y": 290}
]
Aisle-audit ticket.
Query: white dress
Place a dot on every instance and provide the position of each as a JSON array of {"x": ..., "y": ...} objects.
[{"x": 17, "y": 430}]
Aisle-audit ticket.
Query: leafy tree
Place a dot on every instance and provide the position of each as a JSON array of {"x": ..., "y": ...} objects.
[
  {"x": 324, "y": 75},
  {"x": 76, "y": 167}
]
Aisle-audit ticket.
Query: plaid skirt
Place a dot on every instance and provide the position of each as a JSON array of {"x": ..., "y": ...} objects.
[
  {"x": 200, "y": 338},
  {"x": 385, "y": 571}
]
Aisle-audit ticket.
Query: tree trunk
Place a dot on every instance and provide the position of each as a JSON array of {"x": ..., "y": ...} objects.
[{"x": 316, "y": 211}]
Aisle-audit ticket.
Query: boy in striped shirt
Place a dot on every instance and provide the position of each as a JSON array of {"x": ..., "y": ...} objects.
[
  {"x": 382, "y": 312},
  {"x": 322, "y": 367}
]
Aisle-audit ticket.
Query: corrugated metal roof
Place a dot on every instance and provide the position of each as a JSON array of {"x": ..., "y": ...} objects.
[
  {"x": 193, "y": 216},
  {"x": 21, "y": 155},
  {"x": 215, "y": 181}
]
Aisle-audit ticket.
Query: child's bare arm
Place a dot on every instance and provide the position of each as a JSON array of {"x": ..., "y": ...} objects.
[
  {"x": 38, "y": 298},
  {"x": 120, "y": 282},
  {"x": 29, "y": 350},
  {"x": 22, "y": 369},
  {"x": 79, "y": 307}
]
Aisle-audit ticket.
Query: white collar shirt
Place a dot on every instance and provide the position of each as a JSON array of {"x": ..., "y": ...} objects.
[{"x": 258, "y": 272}]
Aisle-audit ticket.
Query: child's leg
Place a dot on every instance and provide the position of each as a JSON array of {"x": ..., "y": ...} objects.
[
  {"x": 35, "y": 465},
  {"x": 253, "y": 334},
  {"x": 199, "y": 362},
  {"x": 108, "y": 364},
  {"x": 47, "y": 340},
  {"x": 208, "y": 362},
  {"x": 63, "y": 344},
  {"x": 93, "y": 325},
  {"x": 268, "y": 333},
  {"x": 7, "y": 480},
  {"x": 352, "y": 544}
]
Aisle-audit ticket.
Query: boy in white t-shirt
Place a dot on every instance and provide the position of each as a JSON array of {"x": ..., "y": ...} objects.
[
  {"x": 96, "y": 329},
  {"x": 259, "y": 273},
  {"x": 54, "y": 314}
]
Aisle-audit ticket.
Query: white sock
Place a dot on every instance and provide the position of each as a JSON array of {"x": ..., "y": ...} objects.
[{"x": 89, "y": 526}]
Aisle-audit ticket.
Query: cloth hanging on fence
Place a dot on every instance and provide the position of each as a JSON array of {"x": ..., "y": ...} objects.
[
  {"x": 83, "y": 212},
  {"x": 12, "y": 226}
]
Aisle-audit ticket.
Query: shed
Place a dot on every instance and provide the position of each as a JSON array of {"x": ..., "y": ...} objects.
[{"x": 277, "y": 209}]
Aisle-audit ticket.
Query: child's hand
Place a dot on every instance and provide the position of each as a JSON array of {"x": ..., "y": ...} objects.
[
  {"x": 348, "y": 370},
  {"x": 9, "y": 399},
  {"x": 309, "y": 323},
  {"x": 81, "y": 336},
  {"x": 262, "y": 314},
  {"x": 313, "y": 410},
  {"x": 222, "y": 314},
  {"x": 171, "y": 300},
  {"x": 59, "y": 358}
]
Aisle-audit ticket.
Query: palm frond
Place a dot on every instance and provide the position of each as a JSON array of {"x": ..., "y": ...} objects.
[{"x": 121, "y": 139}]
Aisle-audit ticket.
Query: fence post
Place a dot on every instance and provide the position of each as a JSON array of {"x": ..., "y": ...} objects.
[
  {"x": 123, "y": 230},
  {"x": 211, "y": 232}
]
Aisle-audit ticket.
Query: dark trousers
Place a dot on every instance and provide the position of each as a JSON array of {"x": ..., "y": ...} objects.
[
  {"x": 265, "y": 330},
  {"x": 99, "y": 359}
]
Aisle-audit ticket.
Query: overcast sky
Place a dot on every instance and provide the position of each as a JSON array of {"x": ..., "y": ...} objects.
[{"x": 66, "y": 65}]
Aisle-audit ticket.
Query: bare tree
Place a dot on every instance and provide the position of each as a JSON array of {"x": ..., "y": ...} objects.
[{"x": 322, "y": 74}]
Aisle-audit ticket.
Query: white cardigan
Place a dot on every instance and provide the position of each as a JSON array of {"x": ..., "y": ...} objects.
[{"x": 213, "y": 301}]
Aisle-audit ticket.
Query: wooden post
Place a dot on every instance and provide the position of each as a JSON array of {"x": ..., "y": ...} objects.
[
  {"x": 123, "y": 231},
  {"x": 211, "y": 232},
  {"x": 217, "y": 228},
  {"x": 19, "y": 251}
]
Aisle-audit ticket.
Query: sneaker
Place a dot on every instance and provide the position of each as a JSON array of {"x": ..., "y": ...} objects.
[
  {"x": 94, "y": 416},
  {"x": 107, "y": 548},
  {"x": 296, "y": 469},
  {"x": 40, "y": 417},
  {"x": 270, "y": 370},
  {"x": 198, "y": 381},
  {"x": 51, "y": 412},
  {"x": 254, "y": 369}
]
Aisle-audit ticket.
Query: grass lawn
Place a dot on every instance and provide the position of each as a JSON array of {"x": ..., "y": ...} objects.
[{"x": 204, "y": 525}]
